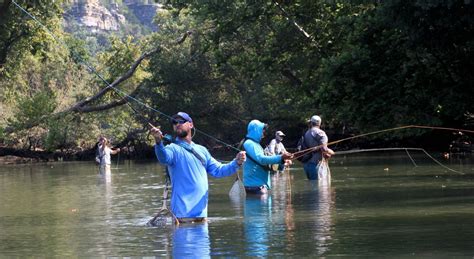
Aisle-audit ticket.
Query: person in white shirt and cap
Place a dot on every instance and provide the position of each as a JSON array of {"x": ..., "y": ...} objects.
[
  {"x": 276, "y": 147},
  {"x": 103, "y": 156}
]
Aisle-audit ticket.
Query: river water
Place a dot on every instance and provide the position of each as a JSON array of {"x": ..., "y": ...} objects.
[{"x": 377, "y": 205}]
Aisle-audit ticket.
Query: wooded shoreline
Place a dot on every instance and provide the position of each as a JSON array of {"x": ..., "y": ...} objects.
[
  {"x": 10, "y": 155},
  {"x": 364, "y": 67}
]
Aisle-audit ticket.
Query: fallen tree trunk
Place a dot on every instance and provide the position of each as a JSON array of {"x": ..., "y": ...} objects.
[{"x": 25, "y": 153}]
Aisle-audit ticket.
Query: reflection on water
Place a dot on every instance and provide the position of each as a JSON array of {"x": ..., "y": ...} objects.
[
  {"x": 270, "y": 223},
  {"x": 283, "y": 206},
  {"x": 191, "y": 240},
  {"x": 105, "y": 189},
  {"x": 105, "y": 174},
  {"x": 70, "y": 210},
  {"x": 323, "y": 208},
  {"x": 315, "y": 197},
  {"x": 257, "y": 214}
]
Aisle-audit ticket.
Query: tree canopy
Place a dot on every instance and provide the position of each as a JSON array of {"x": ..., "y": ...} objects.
[{"x": 361, "y": 65}]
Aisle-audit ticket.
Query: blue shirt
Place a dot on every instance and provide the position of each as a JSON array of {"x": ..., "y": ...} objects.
[
  {"x": 189, "y": 196},
  {"x": 254, "y": 174}
]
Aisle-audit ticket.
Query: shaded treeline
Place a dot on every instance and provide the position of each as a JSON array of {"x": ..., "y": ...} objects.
[{"x": 361, "y": 65}]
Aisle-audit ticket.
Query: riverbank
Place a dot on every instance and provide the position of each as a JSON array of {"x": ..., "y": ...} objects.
[
  {"x": 22, "y": 156},
  {"x": 445, "y": 146}
]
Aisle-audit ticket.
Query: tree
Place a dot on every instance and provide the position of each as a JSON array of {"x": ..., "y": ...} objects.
[
  {"x": 405, "y": 63},
  {"x": 20, "y": 35}
]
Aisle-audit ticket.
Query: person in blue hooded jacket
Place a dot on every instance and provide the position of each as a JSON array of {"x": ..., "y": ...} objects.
[
  {"x": 256, "y": 174},
  {"x": 188, "y": 164}
]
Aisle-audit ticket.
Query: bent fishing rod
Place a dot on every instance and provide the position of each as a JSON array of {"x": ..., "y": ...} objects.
[{"x": 303, "y": 152}]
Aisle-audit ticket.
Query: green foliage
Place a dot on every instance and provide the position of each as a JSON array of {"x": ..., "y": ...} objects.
[
  {"x": 119, "y": 57},
  {"x": 185, "y": 77},
  {"x": 70, "y": 132},
  {"x": 2, "y": 134},
  {"x": 56, "y": 136},
  {"x": 361, "y": 65},
  {"x": 78, "y": 50},
  {"x": 20, "y": 35},
  {"x": 405, "y": 63},
  {"x": 34, "y": 108},
  {"x": 253, "y": 52},
  {"x": 366, "y": 65}
]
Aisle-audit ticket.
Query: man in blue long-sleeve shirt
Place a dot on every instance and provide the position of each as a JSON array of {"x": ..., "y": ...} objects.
[{"x": 189, "y": 164}]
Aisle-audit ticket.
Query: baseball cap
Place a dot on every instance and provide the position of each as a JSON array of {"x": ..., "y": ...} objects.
[
  {"x": 182, "y": 115},
  {"x": 315, "y": 119},
  {"x": 279, "y": 133}
]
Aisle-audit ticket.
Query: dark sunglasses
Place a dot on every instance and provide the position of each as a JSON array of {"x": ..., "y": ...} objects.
[{"x": 175, "y": 121}]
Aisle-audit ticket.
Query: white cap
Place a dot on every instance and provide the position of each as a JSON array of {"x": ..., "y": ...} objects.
[
  {"x": 279, "y": 133},
  {"x": 315, "y": 119}
]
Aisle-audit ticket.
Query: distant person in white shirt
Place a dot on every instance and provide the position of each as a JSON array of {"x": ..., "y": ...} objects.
[
  {"x": 276, "y": 147},
  {"x": 103, "y": 156}
]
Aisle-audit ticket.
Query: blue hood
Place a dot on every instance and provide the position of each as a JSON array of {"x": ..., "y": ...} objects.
[{"x": 255, "y": 130}]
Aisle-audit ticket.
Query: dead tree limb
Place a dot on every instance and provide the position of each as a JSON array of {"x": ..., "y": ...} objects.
[{"x": 84, "y": 106}]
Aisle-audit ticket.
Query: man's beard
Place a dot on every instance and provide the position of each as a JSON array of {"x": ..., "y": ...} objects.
[{"x": 182, "y": 134}]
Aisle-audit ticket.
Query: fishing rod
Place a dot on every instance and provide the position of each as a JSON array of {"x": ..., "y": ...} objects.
[
  {"x": 311, "y": 149},
  {"x": 399, "y": 128},
  {"x": 398, "y": 149},
  {"x": 118, "y": 91},
  {"x": 304, "y": 152}
]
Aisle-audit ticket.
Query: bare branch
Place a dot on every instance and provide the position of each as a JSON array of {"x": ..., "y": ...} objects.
[
  {"x": 83, "y": 106},
  {"x": 287, "y": 17},
  {"x": 80, "y": 106}
]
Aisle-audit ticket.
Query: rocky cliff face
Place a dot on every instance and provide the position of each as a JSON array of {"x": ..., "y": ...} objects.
[{"x": 97, "y": 17}]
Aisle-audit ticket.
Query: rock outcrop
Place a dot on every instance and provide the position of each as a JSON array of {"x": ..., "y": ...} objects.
[
  {"x": 97, "y": 17},
  {"x": 91, "y": 14}
]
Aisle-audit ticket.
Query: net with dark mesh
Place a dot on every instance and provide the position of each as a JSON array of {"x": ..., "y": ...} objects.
[{"x": 164, "y": 216}]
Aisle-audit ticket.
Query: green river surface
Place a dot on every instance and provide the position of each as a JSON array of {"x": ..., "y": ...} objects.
[{"x": 378, "y": 205}]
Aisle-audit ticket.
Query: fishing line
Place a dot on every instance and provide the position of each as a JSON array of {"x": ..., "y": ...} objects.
[
  {"x": 399, "y": 128},
  {"x": 301, "y": 153},
  {"x": 412, "y": 160},
  {"x": 311, "y": 149},
  {"x": 118, "y": 159},
  {"x": 397, "y": 149},
  {"x": 124, "y": 94}
]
